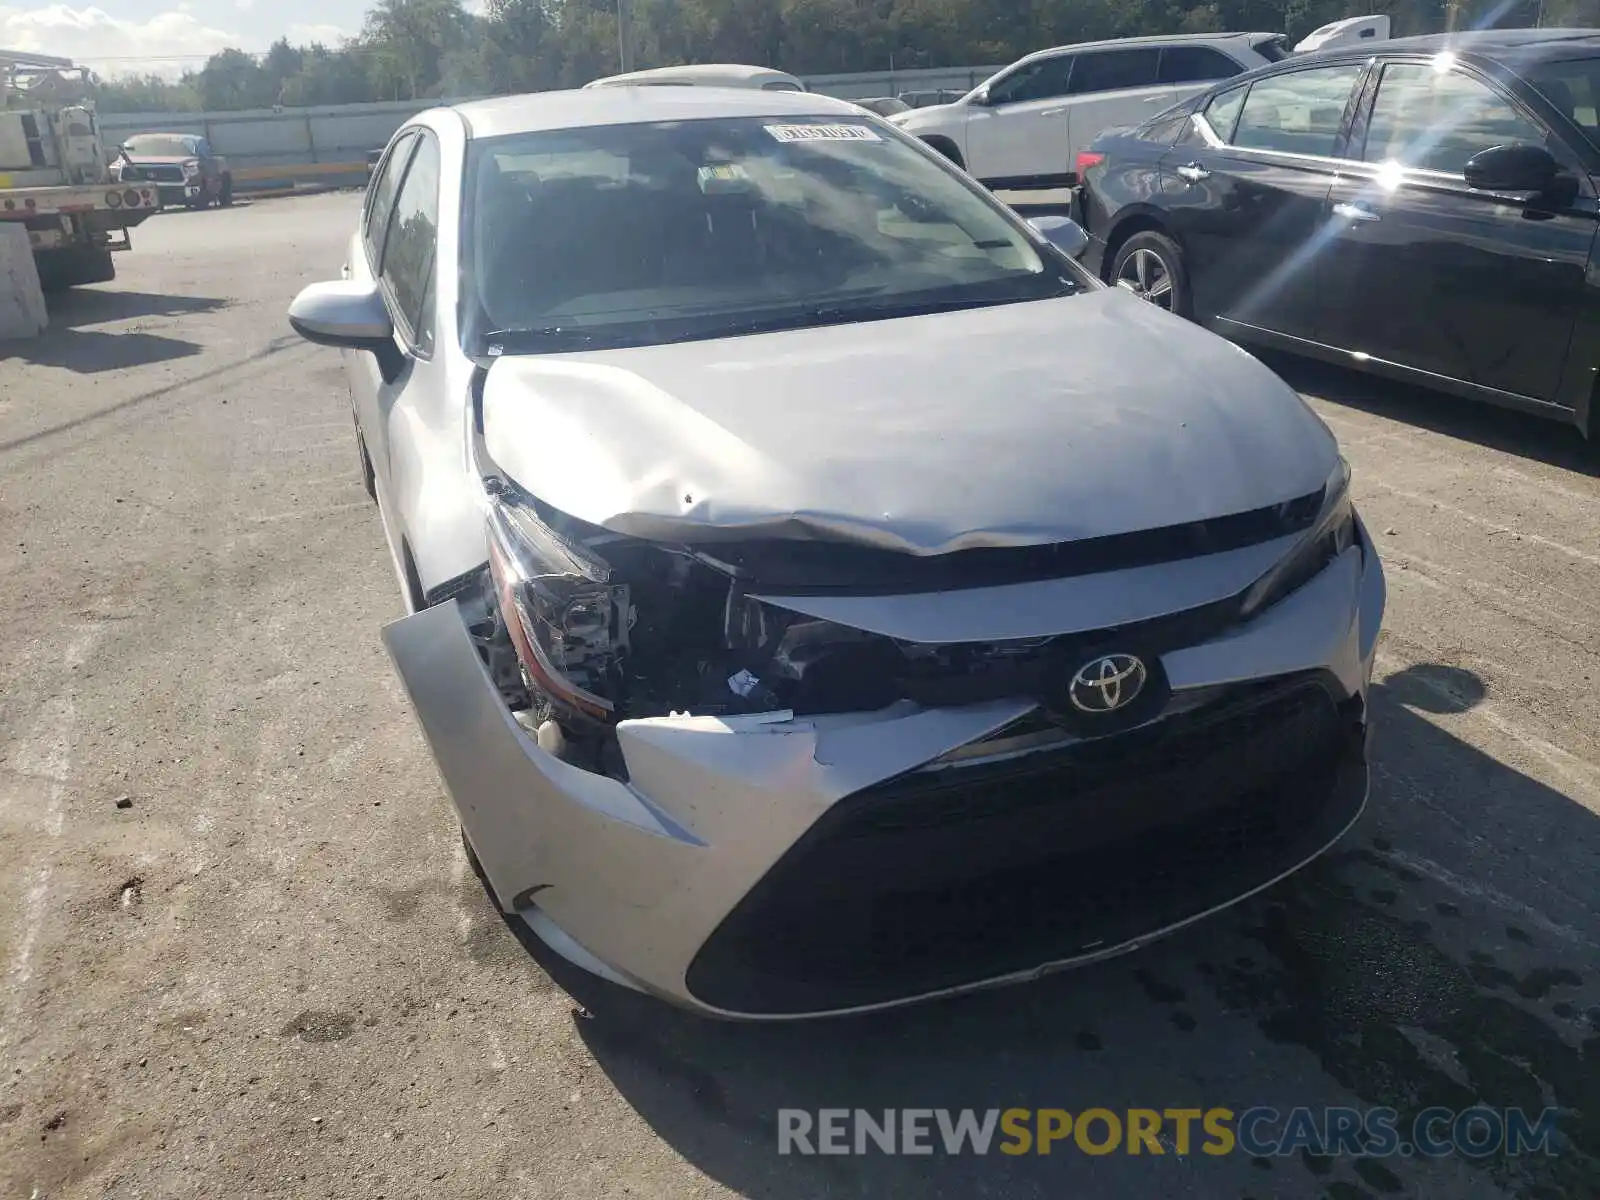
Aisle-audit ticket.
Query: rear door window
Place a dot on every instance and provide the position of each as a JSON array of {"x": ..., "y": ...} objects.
[
  {"x": 1195, "y": 64},
  {"x": 1297, "y": 113},
  {"x": 1222, "y": 113},
  {"x": 1115, "y": 70}
]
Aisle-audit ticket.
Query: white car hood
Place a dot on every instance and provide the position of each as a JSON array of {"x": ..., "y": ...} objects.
[{"x": 1021, "y": 424}]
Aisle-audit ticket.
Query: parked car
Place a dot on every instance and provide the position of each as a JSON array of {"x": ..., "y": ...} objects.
[
  {"x": 884, "y": 106},
  {"x": 812, "y": 606},
  {"x": 1024, "y": 127},
  {"x": 926, "y": 98},
  {"x": 183, "y": 167},
  {"x": 705, "y": 75},
  {"x": 1423, "y": 209}
]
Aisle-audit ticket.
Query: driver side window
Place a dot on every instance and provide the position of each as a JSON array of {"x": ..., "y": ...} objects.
[
  {"x": 380, "y": 198},
  {"x": 1438, "y": 120},
  {"x": 1042, "y": 79}
]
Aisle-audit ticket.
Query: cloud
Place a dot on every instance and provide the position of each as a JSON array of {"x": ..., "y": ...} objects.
[
  {"x": 165, "y": 44},
  {"x": 244, "y": 5},
  {"x": 327, "y": 35}
]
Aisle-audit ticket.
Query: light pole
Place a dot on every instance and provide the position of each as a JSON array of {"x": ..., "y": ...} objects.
[{"x": 623, "y": 56}]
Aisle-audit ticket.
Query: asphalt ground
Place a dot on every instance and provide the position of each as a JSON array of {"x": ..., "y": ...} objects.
[{"x": 242, "y": 953}]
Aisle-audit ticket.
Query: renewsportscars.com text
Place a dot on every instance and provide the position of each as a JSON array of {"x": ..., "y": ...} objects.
[{"x": 1260, "y": 1132}]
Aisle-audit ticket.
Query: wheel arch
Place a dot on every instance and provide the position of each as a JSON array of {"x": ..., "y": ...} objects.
[
  {"x": 1128, "y": 223},
  {"x": 946, "y": 146}
]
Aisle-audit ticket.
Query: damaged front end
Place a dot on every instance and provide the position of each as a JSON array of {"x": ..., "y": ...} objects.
[
  {"x": 588, "y": 629},
  {"x": 775, "y": 779}
]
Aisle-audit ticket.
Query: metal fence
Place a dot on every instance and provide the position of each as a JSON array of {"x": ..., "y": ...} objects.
[{"x": 270, "y": 147}]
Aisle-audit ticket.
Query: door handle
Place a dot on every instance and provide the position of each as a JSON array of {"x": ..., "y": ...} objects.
[
  {"x": 1193, "y": 172},
  {"x": 1051, "y": 112},
  {"x": 1354, "y": 212}
]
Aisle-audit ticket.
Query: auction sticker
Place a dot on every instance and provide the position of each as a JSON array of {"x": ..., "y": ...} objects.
[{"x": 823, "y": 133}]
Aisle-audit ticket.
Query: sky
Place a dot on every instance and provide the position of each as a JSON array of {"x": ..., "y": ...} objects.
[{"x": 122, "y": 37}]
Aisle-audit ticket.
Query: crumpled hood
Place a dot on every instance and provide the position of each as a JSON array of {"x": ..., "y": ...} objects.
[{"x": 1021, "y": 424}]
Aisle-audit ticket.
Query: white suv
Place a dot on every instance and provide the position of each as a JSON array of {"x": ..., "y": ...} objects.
[{"x": 1025, "y": 126}]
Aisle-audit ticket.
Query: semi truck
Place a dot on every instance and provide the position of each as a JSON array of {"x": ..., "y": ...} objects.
[{"x": 55, "y": 178}]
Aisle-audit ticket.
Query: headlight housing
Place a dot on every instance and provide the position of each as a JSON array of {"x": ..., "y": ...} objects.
[
  {"x": 191, "y": 169},
  {"x": 567, "y": 619},
  {"x": 1331, "y": 534}
]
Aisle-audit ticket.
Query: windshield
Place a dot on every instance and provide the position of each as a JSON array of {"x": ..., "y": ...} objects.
[
  {"x": 636, "y": 234},
  {"x": 160, "y": 145},
  {"x": 1573, "y": 86}
]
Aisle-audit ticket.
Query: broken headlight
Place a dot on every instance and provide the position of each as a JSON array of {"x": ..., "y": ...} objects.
[
  {"x": 566, "y": 617},
  {"x": 1332, "y": 533}
]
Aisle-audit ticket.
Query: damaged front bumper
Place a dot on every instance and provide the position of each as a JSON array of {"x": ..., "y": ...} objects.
[{"x": 769, "y": 867}]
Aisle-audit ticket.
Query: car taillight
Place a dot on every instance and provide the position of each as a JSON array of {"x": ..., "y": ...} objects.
[{"x": 1087, "y": 159}]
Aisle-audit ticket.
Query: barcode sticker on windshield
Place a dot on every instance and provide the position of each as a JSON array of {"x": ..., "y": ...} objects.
[{"x": 823, "y": 133}]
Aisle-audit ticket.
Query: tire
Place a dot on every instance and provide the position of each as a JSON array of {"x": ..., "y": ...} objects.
[
  {"x": 74, "y": 267},
  {"x": 1151, "y": 266},
  {"x": 225, "y": 196}
]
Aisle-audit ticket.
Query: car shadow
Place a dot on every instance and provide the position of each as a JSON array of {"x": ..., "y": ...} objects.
[
  {"x": 1518, "y": 433},
  {"x": 1378, "y": 976},
  {"x": 71, "y": 341}
]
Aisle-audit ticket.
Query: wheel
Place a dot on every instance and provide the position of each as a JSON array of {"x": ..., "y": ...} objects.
[
  {"x": 74, "y": 266},
  {"x": 1150, "y": 265},
  {"x": 225, "y": 196}
]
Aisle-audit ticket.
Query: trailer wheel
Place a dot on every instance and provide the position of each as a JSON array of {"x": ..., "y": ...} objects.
[{"x": 74, "y": 266}]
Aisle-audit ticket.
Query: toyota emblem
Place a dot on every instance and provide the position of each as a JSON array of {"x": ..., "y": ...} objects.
[{"x": 1107, "y": 683}]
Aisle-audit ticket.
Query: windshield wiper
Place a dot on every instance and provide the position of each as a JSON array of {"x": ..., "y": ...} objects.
[{"x": 548, "y": 337}]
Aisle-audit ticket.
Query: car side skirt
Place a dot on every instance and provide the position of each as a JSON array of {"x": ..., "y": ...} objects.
[{"x": 1240, "y": 331}]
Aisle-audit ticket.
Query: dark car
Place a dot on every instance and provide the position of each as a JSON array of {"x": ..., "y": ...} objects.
[
  {"x": 884, "y": 106},
  {"x": 181, "y": 165},
  {"x": 1424, "y": 209}
]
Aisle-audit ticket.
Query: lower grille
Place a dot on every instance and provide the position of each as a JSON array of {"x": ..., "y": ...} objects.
[{"x": 943, "y": 878}]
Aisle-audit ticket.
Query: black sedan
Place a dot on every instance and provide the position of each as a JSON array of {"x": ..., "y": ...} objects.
[{"x": 1424, "y": 209}]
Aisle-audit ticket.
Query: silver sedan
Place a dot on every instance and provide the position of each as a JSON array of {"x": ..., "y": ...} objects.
[{"x": 823, "y": 594}]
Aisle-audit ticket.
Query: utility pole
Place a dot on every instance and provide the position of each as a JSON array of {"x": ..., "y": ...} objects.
[{"x": 624, "y": 32}]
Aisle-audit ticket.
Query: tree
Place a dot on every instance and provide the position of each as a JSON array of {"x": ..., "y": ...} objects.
[
  {"x": 426, "y": 49},
  {"x": 232, "y": 79}
]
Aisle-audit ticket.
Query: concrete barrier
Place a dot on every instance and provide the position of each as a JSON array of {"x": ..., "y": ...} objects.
[{"x": 22, "y": 311}]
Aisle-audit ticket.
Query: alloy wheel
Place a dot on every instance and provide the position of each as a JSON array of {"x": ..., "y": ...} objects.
[{"x": 1145, "y": 274}]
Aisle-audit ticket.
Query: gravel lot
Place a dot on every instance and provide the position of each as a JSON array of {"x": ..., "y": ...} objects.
[{"x": 271, "y": 973}]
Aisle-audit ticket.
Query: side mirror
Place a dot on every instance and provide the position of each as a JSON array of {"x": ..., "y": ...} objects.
[
  {"x": 978, "y": 96},
  {"x": 1516, "y": 167},
  {"x": 1065, "y": 234},
  {"x": 342, "y": 313}
]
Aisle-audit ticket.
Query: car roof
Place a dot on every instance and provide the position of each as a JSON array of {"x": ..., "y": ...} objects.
[
  {"x": 1488, "y": 41},
  {"x": 730, "y": 71},
  {"x": 1155, "y": 39},
  {"x": 539, "y": 111}
]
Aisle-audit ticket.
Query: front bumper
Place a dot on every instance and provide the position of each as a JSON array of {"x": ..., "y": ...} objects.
[
  {"x": 181, "y": 193},
  {"x": 772, "y": 867}
]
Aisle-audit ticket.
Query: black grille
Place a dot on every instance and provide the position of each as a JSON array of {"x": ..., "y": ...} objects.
[
  {"x": 154, "y": 173},
  {"x": 943, "y": 878}
]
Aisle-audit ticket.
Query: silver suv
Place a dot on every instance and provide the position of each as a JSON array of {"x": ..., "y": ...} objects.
[{"x": 1025, "y": 126}]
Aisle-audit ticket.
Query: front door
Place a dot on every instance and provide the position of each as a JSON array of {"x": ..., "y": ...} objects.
[
  {"x": 1247, "y": 192},
  {"x": 1438, "y": 277},
  {"x": 1023, "y": 127}
]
